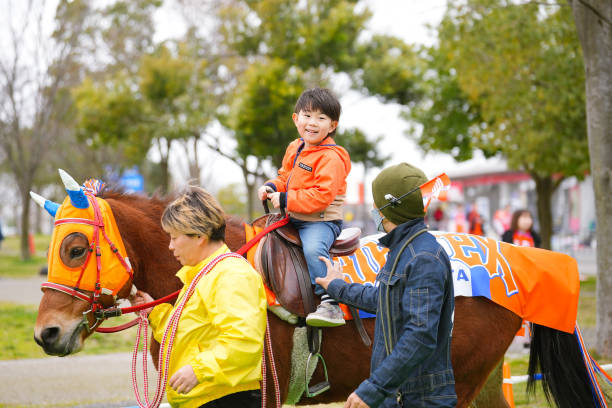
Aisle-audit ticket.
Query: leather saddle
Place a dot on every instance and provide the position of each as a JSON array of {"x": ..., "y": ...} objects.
[{"x": 284, "y": 269}]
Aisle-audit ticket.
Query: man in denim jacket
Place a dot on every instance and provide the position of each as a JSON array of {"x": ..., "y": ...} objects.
[{"x": 413, "y": 300}]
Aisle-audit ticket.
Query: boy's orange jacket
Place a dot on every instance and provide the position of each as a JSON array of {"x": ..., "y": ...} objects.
[{"x": 313, "y": 180}]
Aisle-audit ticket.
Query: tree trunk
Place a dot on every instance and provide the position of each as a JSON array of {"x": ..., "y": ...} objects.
[
  {"x": 250, "y": 190},
  {"x": 165, "y": 177},
  {"x": 25, "y": 224},
  {"x": 594, "y": 25},
  {"x": 545, "y": 187},
  {"x": 194, "y": 166},
  {"x": 38, "y": 219},
  {"x": 164, "y": 153}
]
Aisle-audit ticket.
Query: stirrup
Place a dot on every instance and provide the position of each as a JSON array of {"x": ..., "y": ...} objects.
[{"x": 314, "y": 390}]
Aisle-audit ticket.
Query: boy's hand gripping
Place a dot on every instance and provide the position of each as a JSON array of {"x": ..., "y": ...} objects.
[{"x": 262, "y": 192}]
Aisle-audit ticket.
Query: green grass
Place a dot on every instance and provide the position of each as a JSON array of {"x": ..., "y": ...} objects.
[
  {"x": 11, "y": 265},
  {"x": 17, "y": 335},
  {"x": 518, "y": 366},
  {"x": 12, "y": 244},
  {"x": 587, "y": 302}
]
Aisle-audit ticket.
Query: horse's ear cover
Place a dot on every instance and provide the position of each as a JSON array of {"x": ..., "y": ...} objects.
[{"x": 113, "y": 275}]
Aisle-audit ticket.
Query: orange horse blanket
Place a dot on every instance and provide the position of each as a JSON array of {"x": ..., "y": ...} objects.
[{"x": 538, "y": 285}]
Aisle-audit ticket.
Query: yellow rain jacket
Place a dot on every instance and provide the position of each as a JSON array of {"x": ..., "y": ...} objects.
[{"x": 220, "y": 332}]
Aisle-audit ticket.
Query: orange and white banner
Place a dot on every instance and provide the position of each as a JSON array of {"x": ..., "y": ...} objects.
[{"x": 435, "y": 188}]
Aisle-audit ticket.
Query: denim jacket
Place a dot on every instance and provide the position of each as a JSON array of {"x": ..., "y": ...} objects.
[{"x": 411, "y": 363}]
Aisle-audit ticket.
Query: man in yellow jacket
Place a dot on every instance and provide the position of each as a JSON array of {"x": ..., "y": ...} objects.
[{"x": 215, "y": 360}]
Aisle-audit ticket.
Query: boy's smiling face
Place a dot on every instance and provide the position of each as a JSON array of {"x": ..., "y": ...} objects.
[{"x": 313, "y": 126}]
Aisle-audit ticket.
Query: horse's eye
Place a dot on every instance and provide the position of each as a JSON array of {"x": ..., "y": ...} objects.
[{"x": 77, "y": 252}]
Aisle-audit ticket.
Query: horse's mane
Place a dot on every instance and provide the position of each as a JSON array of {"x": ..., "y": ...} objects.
[
  {"x": 152, "y": 207},
  {"x": 149, "y": 206}
]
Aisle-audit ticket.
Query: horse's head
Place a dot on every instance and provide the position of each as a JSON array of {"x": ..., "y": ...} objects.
[{"x": 88, "y": 268}]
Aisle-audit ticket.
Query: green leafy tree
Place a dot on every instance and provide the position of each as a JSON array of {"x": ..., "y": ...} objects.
[
  {"x": 307, "y": 34},
  {"x": 389, "y": 68},
  {"x": 507, "y": 75}
]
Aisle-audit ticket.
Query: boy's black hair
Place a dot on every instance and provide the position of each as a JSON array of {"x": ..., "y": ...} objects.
[{"x": 321, "y": 99}]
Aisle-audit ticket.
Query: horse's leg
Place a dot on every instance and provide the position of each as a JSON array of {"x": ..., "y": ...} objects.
[
  {"x": 482, "y": 333},
  {"x": 347, "y": 359}
]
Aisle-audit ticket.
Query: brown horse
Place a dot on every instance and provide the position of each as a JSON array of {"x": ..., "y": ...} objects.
[{"x": 482, "y": 331}]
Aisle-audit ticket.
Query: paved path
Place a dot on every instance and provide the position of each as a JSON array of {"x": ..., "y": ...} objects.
[
  {"x": 22, "y": 291},
  {"x": 83, "y": 381}
]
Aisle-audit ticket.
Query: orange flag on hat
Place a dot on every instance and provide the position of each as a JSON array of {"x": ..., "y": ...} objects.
[{"x": 434, "y": 188}]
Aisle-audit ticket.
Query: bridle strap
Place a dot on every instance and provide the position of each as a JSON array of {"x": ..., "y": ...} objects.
[
  {"x": 79, "y": 221},
  {"x": 68, "y": 290}
]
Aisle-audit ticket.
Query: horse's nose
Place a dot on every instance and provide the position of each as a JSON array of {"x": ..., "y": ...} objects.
[{"x": 48, "y": 336}]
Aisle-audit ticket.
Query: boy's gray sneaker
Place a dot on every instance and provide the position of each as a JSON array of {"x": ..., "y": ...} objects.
[{"x": 326, "y": 315}]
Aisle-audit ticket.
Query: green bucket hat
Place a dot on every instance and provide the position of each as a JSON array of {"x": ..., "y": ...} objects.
[{"x": 393, "y": 182}]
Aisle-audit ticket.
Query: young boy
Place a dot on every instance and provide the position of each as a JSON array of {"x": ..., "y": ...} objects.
[{"x": 311, "y": 186}]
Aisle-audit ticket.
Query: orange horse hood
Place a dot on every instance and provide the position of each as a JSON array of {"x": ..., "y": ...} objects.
[{"x": 68, "y": 220}]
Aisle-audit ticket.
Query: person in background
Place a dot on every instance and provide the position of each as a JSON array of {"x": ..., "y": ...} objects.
[
  {"x": 438, "y": 219},
  {"x": 217, "y": 355},
  {"x": 311, "y": 185},
  {"x": 475, "y": 221},
  {"x": 413, "y": 300},
  {"x": 521, "y": 230},
  {"x": 521, "y": 233}
]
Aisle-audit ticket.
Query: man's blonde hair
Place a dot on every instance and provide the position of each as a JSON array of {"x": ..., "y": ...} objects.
[{"x": 195, "y": 212}]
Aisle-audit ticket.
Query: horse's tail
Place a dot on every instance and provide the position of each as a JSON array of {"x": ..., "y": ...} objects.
[{"x": 564, "y": 375}]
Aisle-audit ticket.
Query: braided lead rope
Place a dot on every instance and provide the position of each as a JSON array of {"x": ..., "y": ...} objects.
[
  {"x": 267, "y": 349},
  {"x": 268, "y": 344},
  {"x": 143, "y": 325},
  {"x": 172, "y": 326},
  {"x": 264, "y": 382}
]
